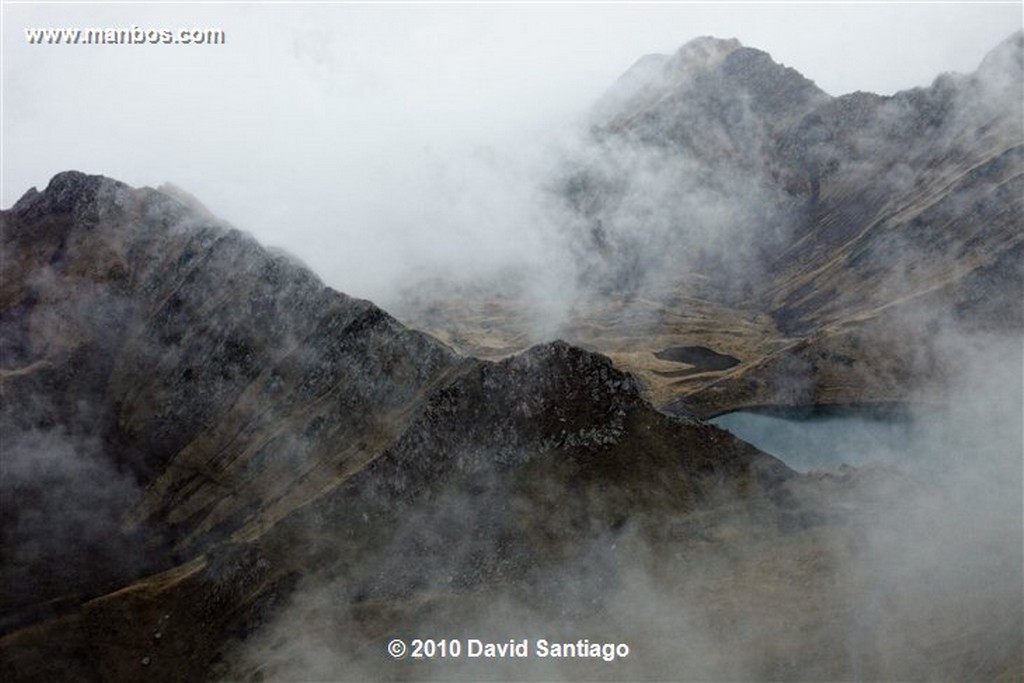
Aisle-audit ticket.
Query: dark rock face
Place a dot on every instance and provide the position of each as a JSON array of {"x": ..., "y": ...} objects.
[
  {"x": 821, "y": 212},
  {"x": 230, "y": 421},
  {"x": 197, "y": 432},
  {"x": 679, "y": 172}
]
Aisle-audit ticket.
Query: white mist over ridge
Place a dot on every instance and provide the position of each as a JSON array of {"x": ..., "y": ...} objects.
[
  {"x": 877, "y": 573},
  {"x": 910, "y": 570},
  {"x": 317, "y": 478},
  {"x": 378, "y": 142}
]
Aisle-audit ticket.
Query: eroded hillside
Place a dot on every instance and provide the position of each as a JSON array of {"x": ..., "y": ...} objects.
[
  {"x": 232, "y": 417},
  {"x": 724, "y": 201},
  {"x": 215, "y": 467}
]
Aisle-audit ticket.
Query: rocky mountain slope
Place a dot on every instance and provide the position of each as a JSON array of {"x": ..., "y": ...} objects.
[
  {"x": 217, "y": 468},
  {"x": 724, "y": 201},
  {"x": 193, "y": 424}
]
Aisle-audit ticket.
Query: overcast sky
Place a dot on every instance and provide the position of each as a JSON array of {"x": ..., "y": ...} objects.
[{"x": 363, "y": 138}]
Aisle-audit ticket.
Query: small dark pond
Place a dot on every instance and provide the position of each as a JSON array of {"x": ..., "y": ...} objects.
[{"x": 701, "y": 358}]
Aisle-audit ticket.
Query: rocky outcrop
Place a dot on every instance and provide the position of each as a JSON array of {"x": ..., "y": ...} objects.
[{"x": 260, "y": 427}]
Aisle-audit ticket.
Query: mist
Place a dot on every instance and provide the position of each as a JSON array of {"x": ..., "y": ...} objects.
[
  {"x": 485, "y": 162},
  {"x": 63, "y": 529},
  {"x": 895, "y": 570},
  {"x": 383, "y": 145}
]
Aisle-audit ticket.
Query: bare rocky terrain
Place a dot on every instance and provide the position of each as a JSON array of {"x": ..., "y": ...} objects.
[
  {"x": 259, "y": 423},
  {"x": 864, "y": 224},
  {"x": 217, "y": 468}
]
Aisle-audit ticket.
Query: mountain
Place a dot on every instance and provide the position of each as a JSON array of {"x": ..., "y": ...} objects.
[
  {"x": 913, "y": 208},
  {"x": 193, "y": 424},
  {"x": 723, "y": 201},
  {"x": 217, "y": 468}
]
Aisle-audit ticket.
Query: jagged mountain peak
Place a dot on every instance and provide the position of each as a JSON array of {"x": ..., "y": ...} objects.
[
  {"x": 708, "y": 73},
  {"x": 703, "y": 52},
  {"x": 654, "y": 75},
  {"x": 65, "y": 191}
]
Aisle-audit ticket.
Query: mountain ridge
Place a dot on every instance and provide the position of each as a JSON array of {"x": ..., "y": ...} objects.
[
  {"x": 217, "y": 467},
  {"x": 785, "y": 230},
  {"x": 242, "y": 403}
]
